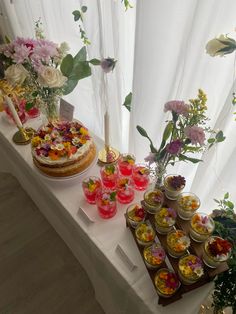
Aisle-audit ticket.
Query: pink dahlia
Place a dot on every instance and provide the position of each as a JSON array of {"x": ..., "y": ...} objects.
[
  {"x": 178, "y": 106},
  {"x": 195, "y": 134}
]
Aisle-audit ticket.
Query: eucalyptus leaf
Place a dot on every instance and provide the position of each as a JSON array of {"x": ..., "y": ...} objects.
[
  {"x": 77, "y": 15},
  {"x": 67, "y": 65},
  {"x": 220, "y": 137},
  {"x": 128, "y": 100},
  {"x": 95, "y": 61},
  {"x": 69, "y": 86},
  {"x": 84, "y": 9},
  {"x": 81, "y": 55},
  {"x": 81, "y": 70}
]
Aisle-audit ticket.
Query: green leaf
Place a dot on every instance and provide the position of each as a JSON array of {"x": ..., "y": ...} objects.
[
  {"x": 113, "y": 196},
  {"x": 81, "y": 55},
  {"x": 230, "y": 205},
  {"x": 142, "y": 131},
  {"x": 84, "y": 9},
  {"x": 220, "y": 137},
  {"x": 218, "y": 202},
  {"x": 67, "y": 65},
  {"x": 77, "y": 15},
  {"x": 152, "y": 148},
  {"x": 28, "y": 106},
  {"x": 168, "y": 131},
  {"x": 193, "y": 160},
  {"x": 7, "y": 40},
  {"x": 226, "y": 196},
  {"x": 211, "y": 140},
  {"x": 69, "y": 86},
  {"x": 80, "y": 71},
  {"x": 128, "y": 100},
  {"x": 95, "y": 62}
]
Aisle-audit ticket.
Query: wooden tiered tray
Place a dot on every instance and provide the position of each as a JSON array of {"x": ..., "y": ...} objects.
[{"x": 195, "y": 248}]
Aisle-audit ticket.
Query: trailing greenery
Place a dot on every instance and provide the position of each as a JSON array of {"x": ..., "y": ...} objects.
[{"x": 225, "y": 284}]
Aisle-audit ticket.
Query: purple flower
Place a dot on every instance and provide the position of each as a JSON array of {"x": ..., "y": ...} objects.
[
  {"x": 174, "y": 147},
  {"x": 177, "y": 106},
  {"x": 150, "y": 158},
  {"x": 108, "y": 64},
  {"x": 195, "y": 134}
]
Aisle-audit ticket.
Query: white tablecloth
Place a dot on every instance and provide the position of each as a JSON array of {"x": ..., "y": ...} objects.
[{"x": 117, "y": 288}]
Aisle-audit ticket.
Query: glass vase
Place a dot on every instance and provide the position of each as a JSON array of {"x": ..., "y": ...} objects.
[
  {"x": 160, "y": 171},
  {"x": 50, "y": 108}
]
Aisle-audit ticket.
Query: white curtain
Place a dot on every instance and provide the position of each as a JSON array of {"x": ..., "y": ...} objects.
[
  {"x": 111, "y": 32},
  {"x": 168, "y": 61},
  {"x": 171, "y": 63}
]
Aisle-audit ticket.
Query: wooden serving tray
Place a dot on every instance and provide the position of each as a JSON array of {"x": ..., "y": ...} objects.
[{"x": 195, "y": 248}]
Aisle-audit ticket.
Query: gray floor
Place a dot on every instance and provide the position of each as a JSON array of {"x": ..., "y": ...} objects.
[{"x": 38, "y": 273}]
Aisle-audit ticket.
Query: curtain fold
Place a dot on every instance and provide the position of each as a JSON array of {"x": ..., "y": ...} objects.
[{"x": 171, "y": 63}]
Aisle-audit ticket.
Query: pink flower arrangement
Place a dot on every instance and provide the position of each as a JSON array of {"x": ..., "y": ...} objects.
[
  {"x": 196, "y": 134},
  {"x": 183, "y": 136},
  {"x": 177, "y": 106}
]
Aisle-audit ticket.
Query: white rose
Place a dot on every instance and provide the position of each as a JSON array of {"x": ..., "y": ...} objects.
[
  {"x": 16, "y": 74},
  {"x": 51, "y": 77},
  {"x": 214, "y": 47}
]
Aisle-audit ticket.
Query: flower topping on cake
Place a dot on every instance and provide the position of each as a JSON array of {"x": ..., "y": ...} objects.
[
  {"x": 191, "y": 266},
  {"x": 165, "y": 217},
  {"x": 166, "y": 281},
  {"x": 178, "y": 241},
  {"x": 219, "y": 248},
  {"x": 154, "y": 254},
  {"x": 59, "y": 139},
  {"x": 202, "y": 224}
]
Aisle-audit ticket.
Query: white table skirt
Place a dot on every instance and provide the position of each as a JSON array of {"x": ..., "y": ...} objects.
[{"x": 117, "y": 288}]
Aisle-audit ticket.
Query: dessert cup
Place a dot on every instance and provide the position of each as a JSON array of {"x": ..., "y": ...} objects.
[
  {"x": 165, "y": 220},
  {"x": 190, "y": 269},
  {"x": 135, "y": 214},
  {"x": 126, "y": 164},
  {"x": 153, "y": 200},
  {"x": 177, "y": 243},
  {"x": 154, "y": 255},
  {"x": 140, "y": 177},
  {"x": 188, "y": 203},
  {"x": 201, "y": 227},
  {"x": 109, "y": 175},
  {"x": 91, "y": 187},
  {"x": 174, "y": 185},
  {"x": 144, "y": 233},
  {"x": 166, "y": 282},
  {"x": 125, "y": 190},
  {"x": 106, "y": 204}
]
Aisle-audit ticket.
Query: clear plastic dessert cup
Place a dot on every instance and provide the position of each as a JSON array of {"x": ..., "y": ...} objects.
[
  {"x": 201, "y": 227},
  {"x": 166, "y": 282},
  {"x": 153, "y": 200},
  {"x": 188, "y": 204},
  {"x": 165, "y": 219},
  {"x": 154, "y": 255},
  {"x": 91, "y": 187},
  {"x": 172, "y": 192},
  {"x": 144, "y": 234},
  {"x": 135, "y": 214},
  {"x": 190, "y": 269},
  {"x": 140, "y": 177},
  {"x": 106, "y": 204},
  {"x": 177, "y": 243},
  {"x": 125, "y": 190},
  {"x": 109, "y": 175}
]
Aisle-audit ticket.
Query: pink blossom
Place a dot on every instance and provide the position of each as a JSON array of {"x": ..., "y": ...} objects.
[
  {"x": 195, "y": 134},
  {"x": 21, "y": 53},
  {"x": 44, "y": 53},
  {"x": 28, "y": 42},
  {"x": 177, "y": 106},
  {"x": 174, "y": 148},
  {"x": 150, "y": 158}
]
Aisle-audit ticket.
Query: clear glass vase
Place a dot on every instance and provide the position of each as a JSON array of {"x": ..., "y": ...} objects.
[
  {"x": 50, "y": 109},
  {"x": 160, "y": 172}
]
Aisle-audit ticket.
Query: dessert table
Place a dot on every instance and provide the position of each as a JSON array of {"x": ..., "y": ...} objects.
[{"x": 105, "y": 248}]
